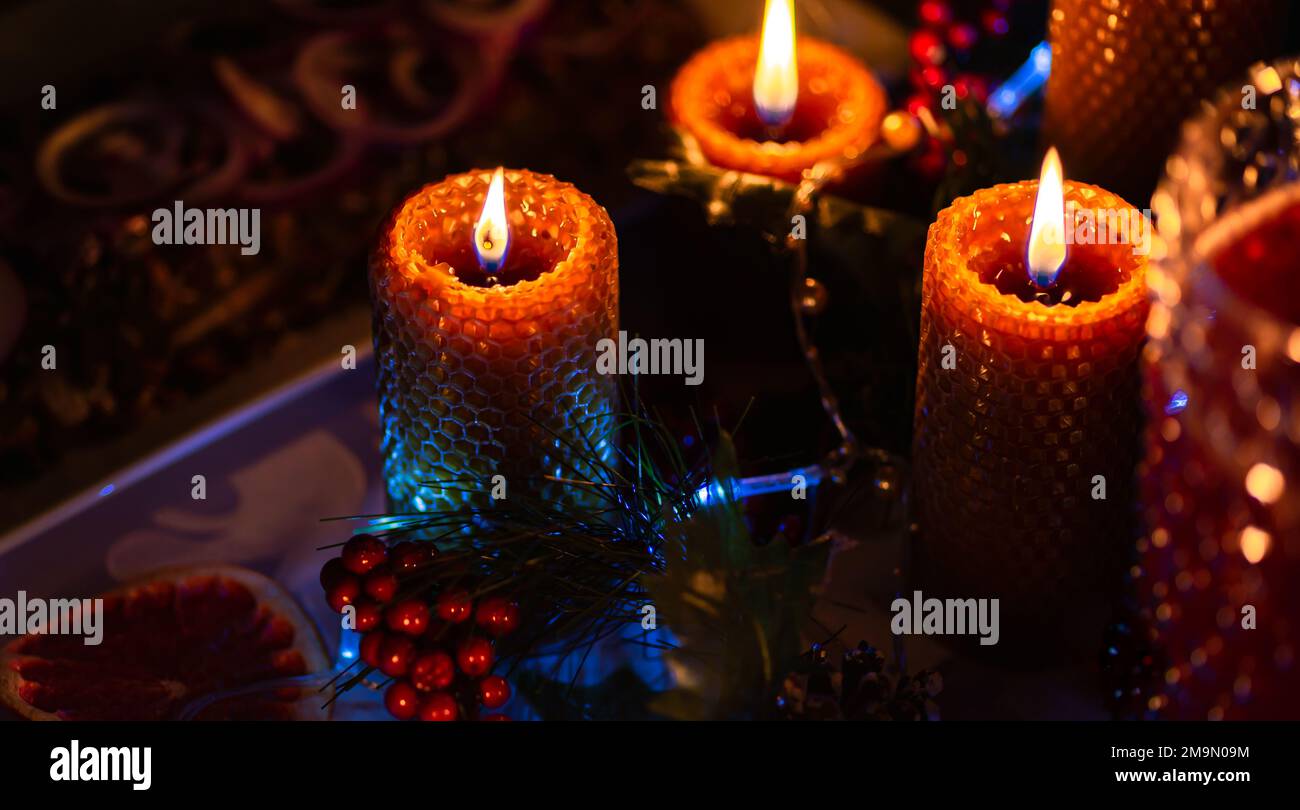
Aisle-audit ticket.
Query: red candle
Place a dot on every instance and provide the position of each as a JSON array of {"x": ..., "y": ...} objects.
[
  {"x": 1221, "y": 480},
  {"x": 1263, "y": 266}
]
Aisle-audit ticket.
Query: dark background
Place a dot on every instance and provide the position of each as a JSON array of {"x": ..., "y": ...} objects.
[{"x": 155, "y": 340}]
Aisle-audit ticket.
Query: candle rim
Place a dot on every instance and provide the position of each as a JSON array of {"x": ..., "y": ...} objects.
[
  {"x": 1000, "y": 306},
  {"x": 1229, "y": 228},
  {"x": 411, "y": 261},
  {"x": 1188, "y": 285},
  {"x": 690, "y": 101}
]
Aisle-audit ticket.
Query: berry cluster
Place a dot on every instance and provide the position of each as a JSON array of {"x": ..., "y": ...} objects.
[
  {"x": 439, "y": 655},
  {"x": 941, "y": 50}
]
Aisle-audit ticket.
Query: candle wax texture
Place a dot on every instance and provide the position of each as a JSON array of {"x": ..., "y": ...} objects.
[
  {"x": 478, "y": 379},
  {"x": 1042, "y": 398},
  {"x": 836, "y": 118},
  {"x": 1219, "y": 480},
  {"x": 1126, "y": 73}
]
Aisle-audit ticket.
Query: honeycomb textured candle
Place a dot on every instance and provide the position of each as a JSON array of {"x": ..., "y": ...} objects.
[
  {"x": 1040, "y": 400},
  {"x": 837, "y": 117},
  {"x": 1125, "y": 73},
  {"x": 482, "y": 380}
]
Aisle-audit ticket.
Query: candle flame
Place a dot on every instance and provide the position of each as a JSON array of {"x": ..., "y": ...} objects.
[
  {"x": 776, "y": 79},
  {"x": 492, "y": 232},
  {"x": 1047, "y": 232}
]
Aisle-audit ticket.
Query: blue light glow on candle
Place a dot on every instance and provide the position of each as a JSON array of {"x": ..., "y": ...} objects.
[{"x": 1177, "y": 403}]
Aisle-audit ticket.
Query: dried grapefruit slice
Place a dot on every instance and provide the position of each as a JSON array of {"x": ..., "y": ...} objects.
[{"x": 169, "y": 638}]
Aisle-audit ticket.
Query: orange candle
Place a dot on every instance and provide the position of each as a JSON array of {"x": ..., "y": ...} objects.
[
  {"x": 1126, "y": 73},
  {"x": 1027, "y": 390},
  {"x": 491, "y": 291},
  {"x": 774, "y": 105}
]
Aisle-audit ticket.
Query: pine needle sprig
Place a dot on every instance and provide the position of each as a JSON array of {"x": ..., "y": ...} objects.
[{"x": 577, "y": 564}]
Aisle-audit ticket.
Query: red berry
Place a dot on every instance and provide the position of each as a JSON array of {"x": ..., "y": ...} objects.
[
  {"x": 407, "y": 556},
  {"x": 454, "y": 606},
  {"x": 493, "y": 691},
  {"x": 368, "y": 616},
  {"x": 332, "y": 572},
  {"x": 380, "y": 584},
  {"x": 345, "y": 592},
  {"x": 402, "y": 701},
  {"x": 363, "y": 552},
  {"x": 439, "y": 706},
  {"x": 927, "y": 48},
  {"x": 371, "y": 644},
  {"x": 963, "y": 36},
  {"x": 474, "y": 656},
  {"x": 433, "y": 670},
  {"x": 933, "y": 78},
  {"x": 409, "y": 616},
  {"x": 497, "y": 615},
  {"x": 935, "y": 12},
  {"x": 395, "y": 655}
]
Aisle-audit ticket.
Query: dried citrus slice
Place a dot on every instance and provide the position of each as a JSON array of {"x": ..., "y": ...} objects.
[{"x": 169, "y": 638}]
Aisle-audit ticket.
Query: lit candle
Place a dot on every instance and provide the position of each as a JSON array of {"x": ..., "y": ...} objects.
[
  {"x": 1027, "y": 391},
  {"x": 491, "y": 291},
  {"x": 775, "y": 104},
  {"x": 776, "y": 76}
]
